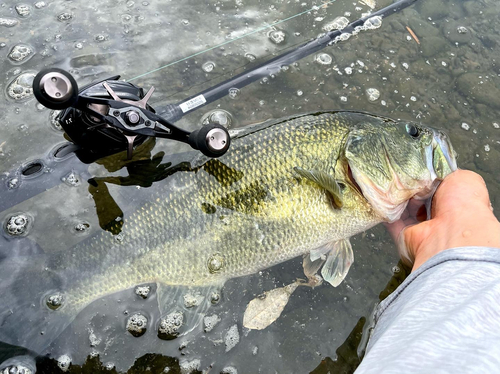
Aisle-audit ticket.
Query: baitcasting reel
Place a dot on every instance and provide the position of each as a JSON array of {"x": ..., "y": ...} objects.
[{"x": 112, "y": 115}]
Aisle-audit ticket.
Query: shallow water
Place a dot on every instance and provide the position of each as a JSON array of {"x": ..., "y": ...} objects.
[{"x": 451, "y": 81}]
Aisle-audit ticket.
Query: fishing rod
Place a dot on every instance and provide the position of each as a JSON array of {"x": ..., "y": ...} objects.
[{"x": 110, "y": 115}]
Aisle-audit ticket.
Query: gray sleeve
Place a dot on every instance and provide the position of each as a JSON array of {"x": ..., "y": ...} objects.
[{"x": 444, "y": 318}]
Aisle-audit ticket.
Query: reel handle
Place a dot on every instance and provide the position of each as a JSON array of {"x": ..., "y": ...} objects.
[
  {"x": 55, "y": 89},
  {"x": 212, "y": 140}
]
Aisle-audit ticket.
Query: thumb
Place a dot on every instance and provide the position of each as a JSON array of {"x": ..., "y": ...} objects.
[{"x": 411, "y": 240}]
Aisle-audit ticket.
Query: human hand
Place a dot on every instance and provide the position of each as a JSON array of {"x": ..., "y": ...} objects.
[{"x": 461, "y": 216}]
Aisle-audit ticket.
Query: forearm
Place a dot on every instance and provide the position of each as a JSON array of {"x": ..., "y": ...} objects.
[{"x": 445, "y": 317}]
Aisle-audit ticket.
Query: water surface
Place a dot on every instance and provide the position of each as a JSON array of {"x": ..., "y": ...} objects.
[{"x": 450, "y": 80}]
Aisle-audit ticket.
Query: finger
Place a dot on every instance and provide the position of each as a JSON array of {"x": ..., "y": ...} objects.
[
  {"x": 459, "y": 190},
  {"x": 411, "y": 239},
  {"x": 395, "y": 228}
]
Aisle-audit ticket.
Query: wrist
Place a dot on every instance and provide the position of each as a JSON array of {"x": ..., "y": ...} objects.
[{"x": 481, "y": 231}]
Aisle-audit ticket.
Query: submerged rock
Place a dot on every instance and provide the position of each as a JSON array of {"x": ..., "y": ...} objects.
[
  {"x": 476, "y": 87},
  {"x": 433, "y": 9},
  {"x": 457, "y": 33},
  {"x": 432, "y": 46}
]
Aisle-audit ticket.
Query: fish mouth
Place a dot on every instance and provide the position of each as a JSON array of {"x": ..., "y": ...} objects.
[
  {"x": 441, "y": 142},
  {"x": 440, "y": 159}
]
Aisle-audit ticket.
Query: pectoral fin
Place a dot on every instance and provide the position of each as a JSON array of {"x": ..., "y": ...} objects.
[
  {"x": 325, "y": 181},
  {"x": 311, "y": 267},
  {"x": 314, "y": 260},
  {"x": 320, "y": 252},
  {"x": 338, "y": 262}
]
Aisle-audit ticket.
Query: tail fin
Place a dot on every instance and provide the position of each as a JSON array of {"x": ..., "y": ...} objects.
[{"x": 25, "y": 318}]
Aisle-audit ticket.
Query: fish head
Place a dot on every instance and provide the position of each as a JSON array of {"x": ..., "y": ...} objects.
[{"x": 394, "y": 161}]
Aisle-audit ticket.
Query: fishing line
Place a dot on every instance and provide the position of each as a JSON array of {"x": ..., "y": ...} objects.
[{"x": 233, "y": 40}]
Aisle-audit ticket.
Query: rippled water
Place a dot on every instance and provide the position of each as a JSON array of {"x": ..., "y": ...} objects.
[{"x": 449, "y": 79}]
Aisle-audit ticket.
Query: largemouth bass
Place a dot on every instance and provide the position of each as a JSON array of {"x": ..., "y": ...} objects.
[{"x": 286, "y": 188}]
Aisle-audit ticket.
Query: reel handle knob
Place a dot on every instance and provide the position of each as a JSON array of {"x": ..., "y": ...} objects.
[
  {"x": 212, "y": 140},
  {"x": 55, "y": 88}
]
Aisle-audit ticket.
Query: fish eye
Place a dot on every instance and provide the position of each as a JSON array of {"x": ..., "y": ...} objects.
[{"x": 413, "y": 131}]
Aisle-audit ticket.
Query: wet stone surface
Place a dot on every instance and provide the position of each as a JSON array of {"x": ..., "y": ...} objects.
[
  {"x": 456, "y": 33},
  {"x": 482, "y": 86}
]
